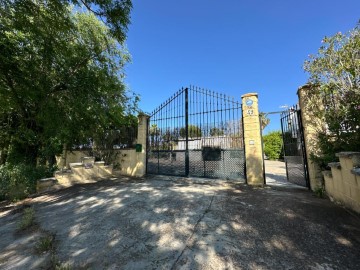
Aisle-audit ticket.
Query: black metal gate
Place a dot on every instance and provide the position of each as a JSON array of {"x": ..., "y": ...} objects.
[
  {"x": 199, "y": 133},
  {"x": 294, "y": 147}
]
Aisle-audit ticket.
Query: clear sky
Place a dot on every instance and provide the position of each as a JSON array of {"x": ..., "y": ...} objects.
[{"x": 230, "y": 46}]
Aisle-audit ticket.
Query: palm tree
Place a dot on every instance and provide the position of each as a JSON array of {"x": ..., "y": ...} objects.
[{"x": 264, "y": 120}]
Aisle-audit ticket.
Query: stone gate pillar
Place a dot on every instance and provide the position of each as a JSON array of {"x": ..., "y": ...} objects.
[
  {"x": 311, "y": 123},
  {"x": 140, "y": 169},
  {"x": 253, "y": 142}
]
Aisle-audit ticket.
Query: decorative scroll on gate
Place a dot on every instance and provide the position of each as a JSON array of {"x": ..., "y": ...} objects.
[
  {"x": 294, "y": 147},
  {"x": 197, "y": 132}
]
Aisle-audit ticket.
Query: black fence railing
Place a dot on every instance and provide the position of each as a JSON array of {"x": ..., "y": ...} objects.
[
  {"x": 294, "y": 147},
  {"x": 197, "y": 132}
]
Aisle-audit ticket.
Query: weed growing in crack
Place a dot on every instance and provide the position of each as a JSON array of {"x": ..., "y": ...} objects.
[
  {"x": 320, "y": 192},
  {"x": 57, "y": 265},
  {"x": 63, "y": 267},
  {"x": 45, "y": 244},
  {"x": 27, "y": 220}
]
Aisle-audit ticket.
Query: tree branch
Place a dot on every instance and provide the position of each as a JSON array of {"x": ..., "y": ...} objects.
[
  {"x": 90, "y": 9},
  {"x": 11, "y": 86}
]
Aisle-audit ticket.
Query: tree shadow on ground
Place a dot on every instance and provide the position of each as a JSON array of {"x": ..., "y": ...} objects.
[{"x": 181, "y": 223}]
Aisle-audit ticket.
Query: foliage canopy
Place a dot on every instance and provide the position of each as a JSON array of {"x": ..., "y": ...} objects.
[
  {"x": 335, "y": 83},
  {"x": 61, "y": 77},
  {"x": 273, "y": 144}
]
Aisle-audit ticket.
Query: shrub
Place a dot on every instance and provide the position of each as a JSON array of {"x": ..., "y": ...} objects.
[
  {"x": 273, "y": 144},
  {"x": 27, "y": 220},
  {"x": 320, "y": 192},
  {"x": 45, "y": 244},
  {"x": 19, "y": 181}
]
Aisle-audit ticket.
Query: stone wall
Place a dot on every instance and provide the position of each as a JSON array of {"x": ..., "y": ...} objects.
[
  {"x": 77, "y": 167},
  {"x": 86, "y": 171},
  {"x": 342, "y": 183},
  {"x": 67, "y": 157},
  {"x": 131, "y": 163}
]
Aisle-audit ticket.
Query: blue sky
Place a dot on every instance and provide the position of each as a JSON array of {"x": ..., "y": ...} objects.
[{"x": 230, "y": 46}]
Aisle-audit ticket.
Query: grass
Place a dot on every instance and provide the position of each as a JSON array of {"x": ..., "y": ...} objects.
[
  {"x": 320, "y": 192},
  {"x": 45, "y": 244},
  {"x": 27, "y": 220},
  {"x": 63, "y": 267},
  {"x": 57, "y": 265}
]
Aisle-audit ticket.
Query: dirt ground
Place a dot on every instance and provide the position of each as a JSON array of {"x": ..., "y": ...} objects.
[{"x": 180, "y": 223}]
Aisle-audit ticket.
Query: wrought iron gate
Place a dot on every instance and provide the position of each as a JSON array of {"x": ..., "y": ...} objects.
[
  {"x": 197, "y": 132},
  {"x": 294, "y": 147}
]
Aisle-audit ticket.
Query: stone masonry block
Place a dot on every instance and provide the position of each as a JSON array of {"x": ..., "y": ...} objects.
[
  {"x": 347, "y": 175},
  {"x": 329, "y": 182},
  {"x": 354, "y": 158},
  {"x": 336, "y": 173},
  {"x": 252, "y": 135},
  {"x": 347, "y": 189},
  {"x": 357, "y": 177},
  {"x": 355, "y": 194}
]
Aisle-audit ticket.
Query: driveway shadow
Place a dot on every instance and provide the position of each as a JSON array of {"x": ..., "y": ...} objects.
[{"x": 181, "y": 223}]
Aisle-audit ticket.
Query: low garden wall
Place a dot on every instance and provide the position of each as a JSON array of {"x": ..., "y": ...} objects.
[
  {"x": 86, "y": 171},
  {"x": 126, "y": 162},
  {"x": 77, "y": 167},
  {"x": 342, "y": 183},
  {"x": 129, "y": 162}
]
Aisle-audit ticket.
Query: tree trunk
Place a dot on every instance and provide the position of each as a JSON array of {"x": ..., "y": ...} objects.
[{"x": 3, "y": 156}]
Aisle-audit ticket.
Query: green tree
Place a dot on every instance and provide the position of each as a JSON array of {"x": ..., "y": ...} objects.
[
  {"x": 335, "y": 82},
  {"x": 273, "y": 144},
  {"x": 114, "y": 13},
  {"x": 216, "y": 132},
  {"x": 193, "y": 132},
  {"x": 61, "y": 76},
  {"x": 61, "y": 82}
]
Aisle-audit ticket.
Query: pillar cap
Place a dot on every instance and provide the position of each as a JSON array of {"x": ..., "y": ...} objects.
[
  {"x": 303, "y": 87},
  {"x": 306, "y": 86},
  {"x": 249, "y": 95},
  {"x": 143, "y": 114}
]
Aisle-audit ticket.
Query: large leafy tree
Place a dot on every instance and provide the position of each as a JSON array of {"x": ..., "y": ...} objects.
[
  {"x": 61, "y": 74},
  {"x": 335, "y": 83},
  {"x": 114, "y": 13}
]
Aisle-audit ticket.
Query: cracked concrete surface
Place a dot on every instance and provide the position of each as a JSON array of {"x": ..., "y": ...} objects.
[{"x": 180, "y": 223}]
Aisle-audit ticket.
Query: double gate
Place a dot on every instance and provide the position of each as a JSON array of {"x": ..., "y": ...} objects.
[
  {"x": 199, "y": 133},
  {"x": 294, "y": 147}
]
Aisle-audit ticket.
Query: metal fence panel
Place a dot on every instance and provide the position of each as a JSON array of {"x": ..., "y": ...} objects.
[
  {"x": 294, "y": 147},
  {"x": 197, "y": 132}
]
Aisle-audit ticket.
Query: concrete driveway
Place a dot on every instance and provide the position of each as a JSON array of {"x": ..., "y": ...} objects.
[
  {"x": 180, "y": 223},
  {"x": 276, "y": 174}
]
